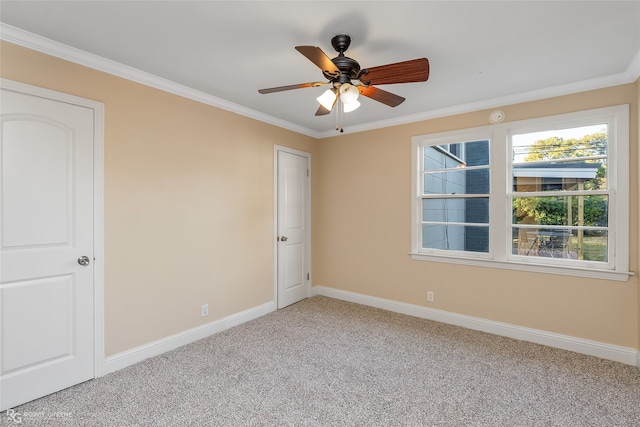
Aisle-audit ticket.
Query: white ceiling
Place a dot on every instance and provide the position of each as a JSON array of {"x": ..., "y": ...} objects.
[{"x": 483, "y": 54}]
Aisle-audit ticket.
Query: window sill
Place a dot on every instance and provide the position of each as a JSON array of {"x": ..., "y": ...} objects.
[{"x": 521, "y": 266}]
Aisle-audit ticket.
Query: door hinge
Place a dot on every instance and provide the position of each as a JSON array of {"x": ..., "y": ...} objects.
[
  {"x": 307, "y": 172},
  {"x": 307, "y": 276}
]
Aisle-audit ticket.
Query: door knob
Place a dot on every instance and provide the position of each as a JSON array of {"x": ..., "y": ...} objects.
[
  {"x": 83, "y": 260},
  {"x": 283, "y": 239}
]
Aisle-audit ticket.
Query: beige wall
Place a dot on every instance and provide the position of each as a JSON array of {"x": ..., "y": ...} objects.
[
  {"x": 189, "y": 216},
  {"x": 188, "y": 201},
  {"x": 362, "y": 213}
]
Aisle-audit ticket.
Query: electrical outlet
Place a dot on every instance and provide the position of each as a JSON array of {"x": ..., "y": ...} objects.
[
  {"x": 430, "y": 296},
  {"x": 205, "y": 310}
]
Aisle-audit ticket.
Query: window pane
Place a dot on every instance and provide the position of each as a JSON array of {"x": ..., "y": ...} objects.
[
  {"x": 455, "y": 237},
  {"x": 590, "y": 211},
  {"x": 585, "y": 141},
  {"x": 459, "y": 155},
  {"x": 558, "y": 176},
  {"x": 476, "y": 153},
  {"x": 436, "y": 157},
  {"x": 472, "y": 210},
  {"x": 458, "y": 181},
  {"x": 588, "y": 245}
]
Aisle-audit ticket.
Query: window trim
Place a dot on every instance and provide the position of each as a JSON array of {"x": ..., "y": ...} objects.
[{"x": 500, "y": 164}]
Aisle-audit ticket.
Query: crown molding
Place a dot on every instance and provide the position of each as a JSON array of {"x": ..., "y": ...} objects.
[
  {"x": 629, "y": 76},
  {"x": 633, "y": 71},
  {"x": 59, "y": 50},
  {"x": 50, "y": 47}
]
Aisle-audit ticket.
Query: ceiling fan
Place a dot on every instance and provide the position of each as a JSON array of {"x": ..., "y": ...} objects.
[{"x": 348, "y": 80}]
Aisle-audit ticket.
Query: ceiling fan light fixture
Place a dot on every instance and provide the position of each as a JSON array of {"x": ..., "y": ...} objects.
[
  {"x": 350, "y": 106},
  {"x": 349, "y": 97},
  {"x": 348, "y": 93},
  {"x": 327, "y": 99}
]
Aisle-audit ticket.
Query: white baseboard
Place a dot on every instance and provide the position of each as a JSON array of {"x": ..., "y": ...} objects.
[
  {"x": 155, "y": 348},
  {"x": 629, "y": 356},
  {"x": 625, "y": 355}
]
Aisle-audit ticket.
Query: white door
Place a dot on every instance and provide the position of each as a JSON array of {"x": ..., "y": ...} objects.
[
  {"x": 46, "y": 295},
  {"x": 292, "y": 227}
]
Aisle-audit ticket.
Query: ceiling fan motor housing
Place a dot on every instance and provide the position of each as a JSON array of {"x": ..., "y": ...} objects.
[{"x": 349, "y": 67}]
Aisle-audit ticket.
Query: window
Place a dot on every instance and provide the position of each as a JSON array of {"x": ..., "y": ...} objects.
[{"x": 547, "y": 194}]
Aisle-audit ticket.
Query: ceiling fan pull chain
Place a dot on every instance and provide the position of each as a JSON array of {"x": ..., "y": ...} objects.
[{"x": 339, "y": 115}]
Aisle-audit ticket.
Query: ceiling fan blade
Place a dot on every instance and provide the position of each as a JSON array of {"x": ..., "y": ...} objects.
[
  {"x": 318, "y": 57},
  {"x": 415, "y": 70},
  {"x": 290, "y": 87},
  {"x": 387, "y": 98}
]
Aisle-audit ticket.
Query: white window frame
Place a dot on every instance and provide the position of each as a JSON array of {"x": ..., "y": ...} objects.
[
  {"x": 439, "y": 140},
  {"x": 499, "y": 136}
]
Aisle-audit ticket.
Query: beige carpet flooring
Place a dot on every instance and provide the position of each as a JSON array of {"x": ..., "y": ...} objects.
[{"x": 324, "y": 362}]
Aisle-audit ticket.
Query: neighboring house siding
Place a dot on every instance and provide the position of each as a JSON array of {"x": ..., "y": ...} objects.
[{"x": 477, "y": 210}]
